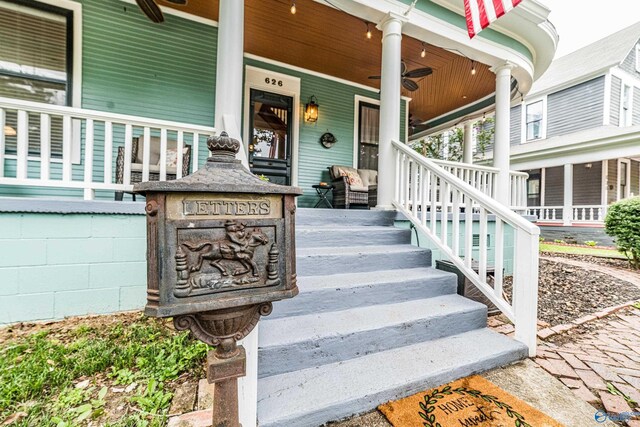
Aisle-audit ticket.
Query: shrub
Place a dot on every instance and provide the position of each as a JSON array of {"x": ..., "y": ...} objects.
[
  {"x": 558, "y": 241},
  {"x": 591, "y": 243},
  {"x": 623, "y": 223}
]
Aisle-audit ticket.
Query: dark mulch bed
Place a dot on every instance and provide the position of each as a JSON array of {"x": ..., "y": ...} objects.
[{"x": 567, "y": 292}]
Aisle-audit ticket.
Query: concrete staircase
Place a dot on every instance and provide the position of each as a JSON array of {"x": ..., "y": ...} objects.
[{"x": 373, "y": 322}]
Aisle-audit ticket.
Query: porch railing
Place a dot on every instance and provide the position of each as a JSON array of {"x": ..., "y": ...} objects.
[
  {"x": 579, "y": 213},
  {"x": 483, "y": 179},
  {"x": 589, "y": 213},
  {"x": 45, "y": 145},
  {"x": 450, "y": 211},
  {"x": 546, "y": 213}
]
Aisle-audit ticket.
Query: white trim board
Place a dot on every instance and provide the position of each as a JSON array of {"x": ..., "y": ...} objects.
[{"x": 313, "y": 73}]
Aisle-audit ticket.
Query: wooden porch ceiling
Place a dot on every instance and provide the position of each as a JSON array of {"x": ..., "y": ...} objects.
[{"x": 329, "y": 41}]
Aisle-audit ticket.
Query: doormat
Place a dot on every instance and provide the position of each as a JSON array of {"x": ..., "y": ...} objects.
[{"x": 469, "y": 402}]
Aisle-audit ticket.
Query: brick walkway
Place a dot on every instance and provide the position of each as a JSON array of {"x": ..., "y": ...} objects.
[
  {"x": 606, "y": 355},
  {"x": 596, "y": 357}
]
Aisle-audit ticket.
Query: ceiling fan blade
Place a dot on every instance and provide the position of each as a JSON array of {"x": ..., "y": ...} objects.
[
  {"x": 178, "y": 2},
  {"x": 404, "y": 69},
  {"x": 374, "y": 77},
  {"x": 151, "y": 9},
  {"x": 409, "y": 85},
  {"x": 419, "y": 72}
]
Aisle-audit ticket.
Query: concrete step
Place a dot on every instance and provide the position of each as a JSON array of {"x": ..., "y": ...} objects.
[
  {"x": 308, "y": 236},
  {"x": 344, "y": 217},
  {"x": 314, "y": 396},
  {"x": 343, "y": 291},
  {"x": 300, "y": 342},
  {"x": 356, "y": 259}
]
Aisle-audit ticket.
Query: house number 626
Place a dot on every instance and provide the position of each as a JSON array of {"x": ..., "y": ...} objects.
[{"x": 273, "y": 82}]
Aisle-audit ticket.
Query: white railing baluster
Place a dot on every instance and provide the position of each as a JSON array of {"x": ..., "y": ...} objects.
[
  {"x": 498, "y": 264},
  {"x": 108, "y": 153},
  {"x": 163, "y": 154},
  {"x": 452, "y": 187},
  {"x": 195, "y": 147},
  {"x": 23, "y": 144},
  {"x": 45, "y": 146},
  {"x": 146, "y": 153},
  {"x": 434, "y": 209},
  {"x": 414, "y": 190},
  {"x": 468, "y": 233},
  {"x": 128, "y": 143},
  {"x": 444, "y": 214},
  {"x": 455, "y": 222},
  {"x": 424, "y": 191},
  {"x": 89, "y": 192},
  {"x": 482, "y": 243},
  {"x": 67, "y": 137},
  {"x": 179, "y": 154},
  {"x": 406, "y": 178}
]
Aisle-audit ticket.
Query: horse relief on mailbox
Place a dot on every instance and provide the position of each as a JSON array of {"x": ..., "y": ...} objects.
[{"x": 227, "y": 253}]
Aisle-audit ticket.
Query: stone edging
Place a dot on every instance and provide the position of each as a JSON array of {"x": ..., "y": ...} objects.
[{"x": 558, "y": 329}]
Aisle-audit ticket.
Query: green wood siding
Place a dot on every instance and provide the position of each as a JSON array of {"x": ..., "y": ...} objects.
[{"x": 336, "y": 115}]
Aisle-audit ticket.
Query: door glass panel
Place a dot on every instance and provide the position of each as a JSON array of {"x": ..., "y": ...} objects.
[
  {"x": 368, "y": 135},
  {"x": 270, "y": 128}
]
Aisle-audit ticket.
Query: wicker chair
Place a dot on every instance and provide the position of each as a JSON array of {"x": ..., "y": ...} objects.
[
  {"x": 354, "y": 187},
  {"x": 154, "y": 167}
]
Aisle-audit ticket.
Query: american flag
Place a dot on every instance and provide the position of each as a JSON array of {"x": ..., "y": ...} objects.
[{"x": 480, "y": 13}]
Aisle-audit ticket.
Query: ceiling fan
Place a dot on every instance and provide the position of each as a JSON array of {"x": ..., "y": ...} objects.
[
  {"x": 152, "y": 10},
  {"x": 406, "y": 75}
]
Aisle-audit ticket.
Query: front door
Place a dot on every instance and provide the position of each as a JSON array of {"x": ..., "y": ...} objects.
[{"x": 270, "y": 129}]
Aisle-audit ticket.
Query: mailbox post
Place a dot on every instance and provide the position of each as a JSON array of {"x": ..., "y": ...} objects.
[{"x": 220, "y": 250}]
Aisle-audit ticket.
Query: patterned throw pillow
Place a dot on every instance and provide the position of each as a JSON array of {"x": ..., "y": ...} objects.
[
  {"x": 352, "y": 178},
  {"x": 172, "y": 158}
]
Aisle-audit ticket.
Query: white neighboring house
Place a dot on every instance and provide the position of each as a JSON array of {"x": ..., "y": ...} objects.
[{"x": 577, "y": 133}]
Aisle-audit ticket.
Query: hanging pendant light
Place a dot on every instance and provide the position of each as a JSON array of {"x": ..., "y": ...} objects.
[
  {"x": 368, "y": 31},
  {"x": 293, "y": 7}
]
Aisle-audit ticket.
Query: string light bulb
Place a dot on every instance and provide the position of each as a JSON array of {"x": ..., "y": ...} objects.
[
  {"x": 293, "y": 7},
  {"x": 473, "y": 68},
  {"x": 424, "y": 52},
  {"x": 368, "y": 31}
]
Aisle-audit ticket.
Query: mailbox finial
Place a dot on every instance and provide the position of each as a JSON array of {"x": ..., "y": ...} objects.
[{"x": 223, "y": 148}]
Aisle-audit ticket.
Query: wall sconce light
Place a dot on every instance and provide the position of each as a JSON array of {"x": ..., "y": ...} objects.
[
  {"x": 588, "y": 166},
  {"x": 9, "y": 131},
  {"x": 311, "y": 110}
]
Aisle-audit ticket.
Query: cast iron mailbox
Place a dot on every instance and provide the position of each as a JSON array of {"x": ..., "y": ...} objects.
[{"x": 220, "y": 249}]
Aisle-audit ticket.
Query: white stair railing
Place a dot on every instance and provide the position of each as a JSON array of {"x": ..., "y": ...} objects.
[
  {"x": 43, "y": 145},
  {"x": 448, "y": 210}
]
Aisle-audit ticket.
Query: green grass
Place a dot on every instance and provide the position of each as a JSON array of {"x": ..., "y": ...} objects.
[
  {"x": 38, "y": 372},
  {"x": 578, "y": 250}
]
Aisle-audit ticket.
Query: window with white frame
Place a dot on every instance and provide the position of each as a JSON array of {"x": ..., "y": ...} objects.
[
  {"x": 35, "y": 65},
  {"x": 625, "y": 105},
  {"x": 534, "y": 117}
]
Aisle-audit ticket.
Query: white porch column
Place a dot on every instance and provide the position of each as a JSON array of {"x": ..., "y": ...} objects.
[
  {"x": 567, "y": 206},
  {"x": 501, "y": 137},
  {"x": 229, "y": 70},
  {"x": 228, "y": 111},
  {"x": 467, "y": 143},
  {"x": 390, "y": 83}
]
